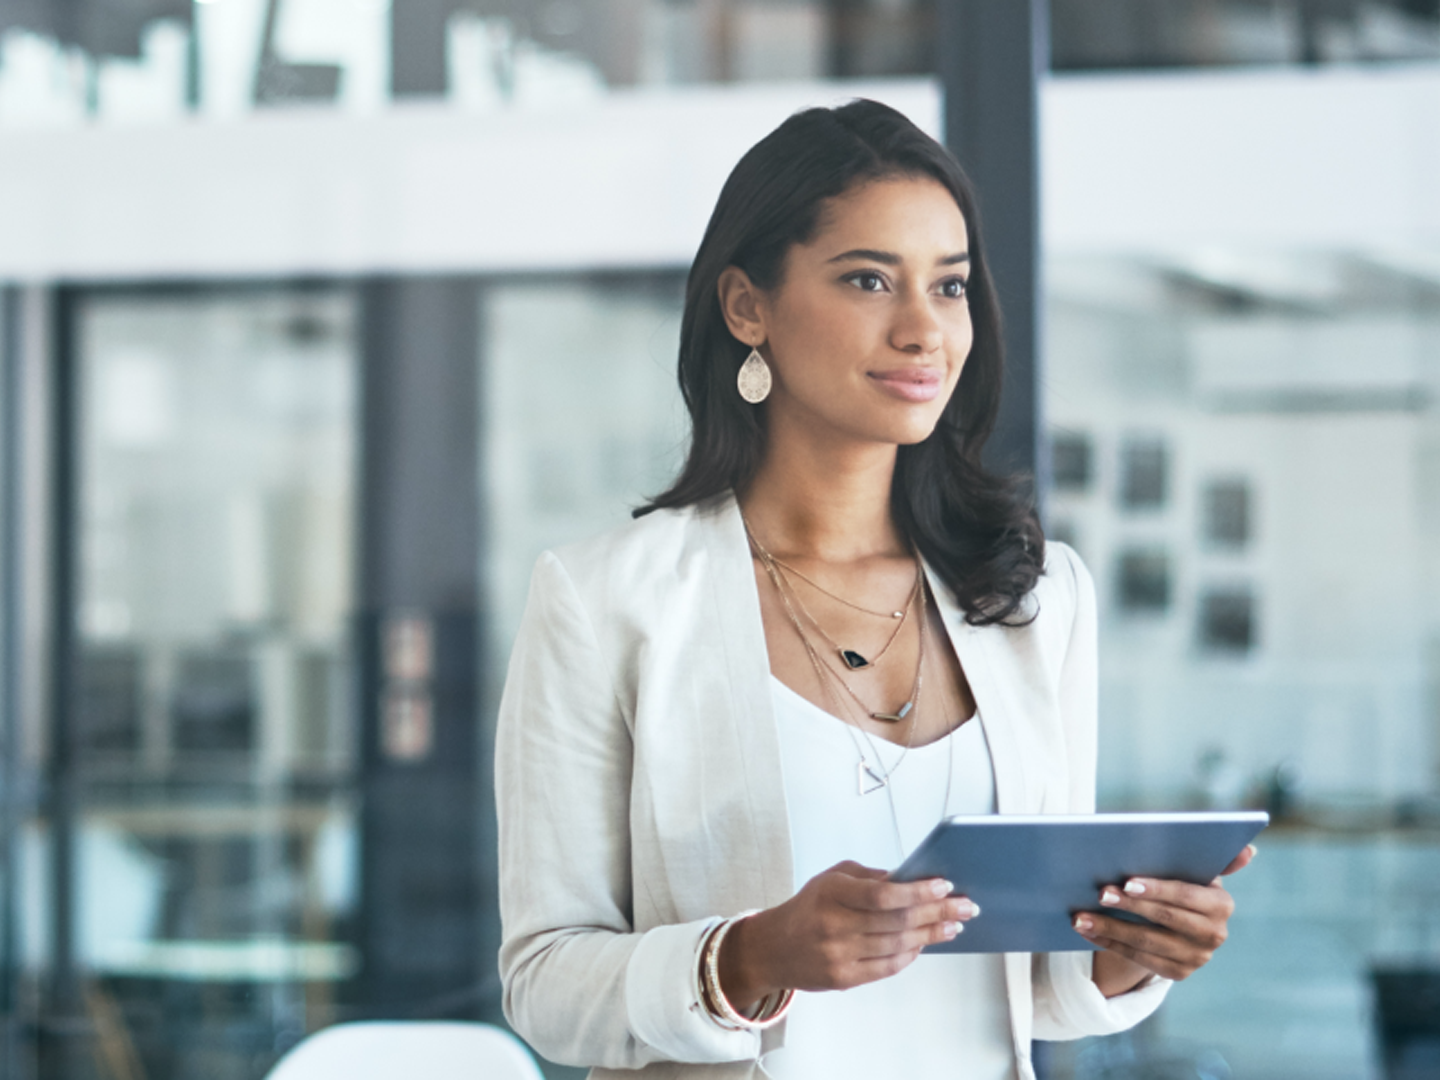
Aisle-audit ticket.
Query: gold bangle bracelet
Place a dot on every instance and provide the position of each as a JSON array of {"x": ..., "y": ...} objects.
[{"x": 773, "y": 1006}]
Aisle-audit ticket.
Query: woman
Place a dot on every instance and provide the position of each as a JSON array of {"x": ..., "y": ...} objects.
[{"x": 699, "y": 760}]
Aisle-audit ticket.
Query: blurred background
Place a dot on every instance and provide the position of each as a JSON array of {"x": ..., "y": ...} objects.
[{"x": 319, "y": 319}]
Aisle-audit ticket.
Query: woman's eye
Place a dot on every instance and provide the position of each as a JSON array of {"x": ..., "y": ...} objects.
[
  {"x": 867, "y": 281},
  {"x": 952, "y": 288}
]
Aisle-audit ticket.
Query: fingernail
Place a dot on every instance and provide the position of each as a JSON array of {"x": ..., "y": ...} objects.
[
  {"x": 953, "y": 928},
  {"x": 1084, "y": 924},
  {"x": 1109, "y": 896},
  {"x": 940, "y": 887},
  {"x": 1253, "y": 850},
  {"x": 1134, "y": 887},
  {"x": 963, "y": 909}
]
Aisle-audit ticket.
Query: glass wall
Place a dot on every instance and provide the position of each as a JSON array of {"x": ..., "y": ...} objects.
[
  {"x": 210, "y": 881},
  {"x": 1246, "y": 451},
  {"x": 581, "y": 415}
]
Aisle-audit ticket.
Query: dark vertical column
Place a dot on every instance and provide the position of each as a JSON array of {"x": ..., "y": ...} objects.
[
  {"x": 61, "y": 1053},
  {"x": 417, "y": 47},
  {"x": 992, "y": 55},
  {"x": 11, "y": 572},
  {"x": 26, "y": 395},
  {"x": 427, "y": 917}
]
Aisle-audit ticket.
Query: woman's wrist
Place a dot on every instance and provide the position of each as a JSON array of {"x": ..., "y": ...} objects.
[
  {"x": 1114, "y": 974},
  {"x": 742, "y": 969}
]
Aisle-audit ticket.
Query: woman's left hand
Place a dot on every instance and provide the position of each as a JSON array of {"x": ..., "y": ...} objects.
[{"x": 1190, "y": 923}]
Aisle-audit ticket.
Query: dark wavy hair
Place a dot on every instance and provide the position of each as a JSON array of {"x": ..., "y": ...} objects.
[{"x": 978, "y": 530}]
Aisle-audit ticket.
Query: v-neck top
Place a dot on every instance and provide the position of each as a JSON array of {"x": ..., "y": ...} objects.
[{"x": 944, "y": 1015}]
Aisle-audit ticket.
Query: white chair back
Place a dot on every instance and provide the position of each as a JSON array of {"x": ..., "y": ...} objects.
[{"x": 405, "y": 1050}]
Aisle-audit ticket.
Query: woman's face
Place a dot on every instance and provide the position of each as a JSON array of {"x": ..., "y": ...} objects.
[{"x": 869, "y": 328}]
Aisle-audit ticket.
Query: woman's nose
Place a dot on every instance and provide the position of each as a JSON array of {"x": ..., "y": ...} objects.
[{"x": 916, "y": 327}]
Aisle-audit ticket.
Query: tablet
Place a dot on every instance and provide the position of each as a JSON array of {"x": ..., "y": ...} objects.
[{"x": 1032, "y": 874}]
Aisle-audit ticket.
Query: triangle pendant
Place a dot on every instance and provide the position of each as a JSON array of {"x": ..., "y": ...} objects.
[
  {"x": 853, "y": 660},
  {"x": 868, "y": 781}
]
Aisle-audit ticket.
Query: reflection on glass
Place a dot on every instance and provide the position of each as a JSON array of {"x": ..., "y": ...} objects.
[
  {"x": 215, "y": 846},
  {"x": 1290, "y": 470}
]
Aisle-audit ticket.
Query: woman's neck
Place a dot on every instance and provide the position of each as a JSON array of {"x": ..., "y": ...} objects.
[{"x": 825, "y": 505}]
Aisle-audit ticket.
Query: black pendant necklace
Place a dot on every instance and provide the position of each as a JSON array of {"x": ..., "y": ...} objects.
[{"x": 853, "y": 660}]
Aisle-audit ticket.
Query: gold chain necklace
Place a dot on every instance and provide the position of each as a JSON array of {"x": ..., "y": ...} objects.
[
  {"x": 834, "y": 596},
  {"x": 853, "y": 659},
  {"x": 889, "y": 717},
  {"x": 868, "y": 778}
]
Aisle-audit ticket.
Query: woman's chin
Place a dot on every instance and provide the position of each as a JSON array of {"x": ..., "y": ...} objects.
[{"x": 916, "y": 430}]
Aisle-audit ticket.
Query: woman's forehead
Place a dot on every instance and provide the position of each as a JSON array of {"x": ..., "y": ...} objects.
[{"x": 915, "y": 212}]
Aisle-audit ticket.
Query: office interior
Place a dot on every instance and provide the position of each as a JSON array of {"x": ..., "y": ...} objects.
[{"x": 320, "y": 319}]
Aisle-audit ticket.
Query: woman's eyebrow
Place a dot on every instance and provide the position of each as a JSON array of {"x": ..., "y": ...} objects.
[{"x": 889, "y": 258}]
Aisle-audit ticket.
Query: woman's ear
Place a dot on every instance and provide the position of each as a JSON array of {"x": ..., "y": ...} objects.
[{"x": 742, "y": 304}]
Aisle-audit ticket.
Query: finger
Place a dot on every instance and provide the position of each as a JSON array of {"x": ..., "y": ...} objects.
[
  {"x": 878, "y": 946},
  {"x": 951, "y": 909},
  {"x": 1207, "y": 931},
  {"x": 1163, "y": 966},
  {"x": 1209, "y": 900},
  {"x": 1173, "y": 948},
  {"x": 1242, "y": 860},
  {"x": 890, "y": 895}
]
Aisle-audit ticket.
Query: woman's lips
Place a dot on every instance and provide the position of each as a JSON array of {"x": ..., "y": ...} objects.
[{"x": 909, "y": 384}]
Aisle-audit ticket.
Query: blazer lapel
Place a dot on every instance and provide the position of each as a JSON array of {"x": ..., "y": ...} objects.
[
  {"x": 986, "y": 670},
  {"x": 750, "y": 707}
]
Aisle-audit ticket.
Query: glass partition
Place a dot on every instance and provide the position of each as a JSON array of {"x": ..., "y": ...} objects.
[
  {"x": 1246, "y": 452},
  {"x": 211, "y": 744},
  {"x": 581, "y": 415}
]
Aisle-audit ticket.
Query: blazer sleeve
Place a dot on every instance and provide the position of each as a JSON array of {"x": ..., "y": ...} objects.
[
  {"x": 580, "y": 985},
  {"x": 1068, "y": 1004}
]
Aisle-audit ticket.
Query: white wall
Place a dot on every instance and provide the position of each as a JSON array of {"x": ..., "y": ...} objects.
[
  {"x": 1330, "y": 158},
  {"x": 623, "y": 181},
  {"x": 1339, "y": 158}
]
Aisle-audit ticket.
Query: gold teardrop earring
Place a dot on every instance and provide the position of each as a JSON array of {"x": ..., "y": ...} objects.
[{"x": 754, "y": 379}]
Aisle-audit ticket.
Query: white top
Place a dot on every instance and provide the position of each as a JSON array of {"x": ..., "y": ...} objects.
[{"x": 943, "y": 1015}]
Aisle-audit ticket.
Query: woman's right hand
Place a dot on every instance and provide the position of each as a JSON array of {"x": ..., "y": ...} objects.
[{"x": 847, "y": 926}]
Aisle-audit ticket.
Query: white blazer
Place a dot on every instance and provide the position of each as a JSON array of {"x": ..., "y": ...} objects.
[{"x": 641, "y": 798}]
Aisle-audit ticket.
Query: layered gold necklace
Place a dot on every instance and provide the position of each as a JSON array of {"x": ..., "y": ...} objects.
[{"x": 871, "y": 775}]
